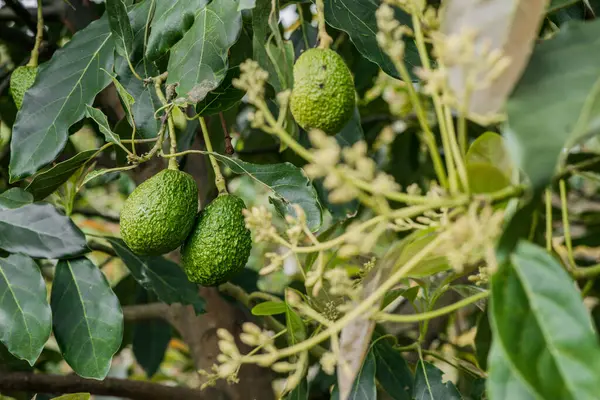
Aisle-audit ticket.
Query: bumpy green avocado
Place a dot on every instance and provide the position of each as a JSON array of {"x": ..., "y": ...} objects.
[
  {"x": 219, "y": 245},
  {"x": 21, "y": 79},
  {"x": 159, "y": 214},
  {"x": 323, "y": 96}
]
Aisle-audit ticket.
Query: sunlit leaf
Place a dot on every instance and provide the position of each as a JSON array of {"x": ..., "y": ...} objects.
[{"x": 269, "y": 308}]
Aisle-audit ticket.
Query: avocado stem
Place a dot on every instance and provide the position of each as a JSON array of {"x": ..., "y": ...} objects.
[
  {"x": 219, "y": 180},
  {"x": 324, "y": 39},
  {"x": 173, "y": 139},
  {"x": 39, "y": 36}
]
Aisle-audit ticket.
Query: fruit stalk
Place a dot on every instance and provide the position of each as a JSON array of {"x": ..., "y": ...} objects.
[
  {"x": 33, "y": 61},
  {"x": 324, "y": 39},
  {"x": 219, "y": 180}
]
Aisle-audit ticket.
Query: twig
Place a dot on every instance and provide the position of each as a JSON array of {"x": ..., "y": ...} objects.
[
  {"x": 143, "y": 312},
  {"x": 39, "y": 36},
  {"x": 219, "y": 180},
  {"x": 97, "y": 214},
  {"x": 228, "y": 146},
  {"x": 57, "y": 384}
]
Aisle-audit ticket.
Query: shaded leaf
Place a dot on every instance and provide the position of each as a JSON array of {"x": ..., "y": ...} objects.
[
  {"x": 392, "y": 371},
  {"x": 127, "y": 100},
  {"x": 429, "y": 384},
  {"x": 295, "y": 326},
  {"x": 503, "y": 381},
  {"x": 46, "y": 182},
  {"x": 364, "y": 387},
  {"x": 40, "y": 231},
  {"x": 287, "y": 182},
  {"x": 541, "y": 119},
  {"x": 269, "y": 308},
  {"x": 409, "y": 294},
  {"x": 171, "y": 20},
  {"x": 414, "y": 243},
  {"x": 161, "y": 276},
  {"x": 483, "y": 340},
  {"x": 150, "y": 339},
  {"x": 507, "y": 26},
  {"x": 357, "y": 19},
  {"x": 88, "y": 320},
  {"x": 536, "y": 312},
  {"x": 300, "y": 392},
  {"x": 25, "y": 315},
  {"x": 556, "y": 5},
  {"x": 120, "y": 27},
  {"x": 99, "y": 117},
  {"x": 198, "y": 62},
  {"x": 15, "y": 198},
  {"x": 64, "y": 86}
]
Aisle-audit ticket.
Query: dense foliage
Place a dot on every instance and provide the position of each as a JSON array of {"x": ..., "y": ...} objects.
[{"x": 435, "y": 238}]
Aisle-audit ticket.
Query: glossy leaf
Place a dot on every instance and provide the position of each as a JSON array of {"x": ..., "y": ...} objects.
[
  {"x": 87, "y": 317},
  {"x": 288, "y": 183},
  {"x": 198, "y": 62},
  {"x": 40, "y": 231},
  {"x": 357, "y": 19},
  {"x": 393, "y": 373},
  {"x": 429, "y": 384},
  {"x": 146, "y": 101},
  {"x": 269, "y": 308},
  {"x": 507, "y": 26},
  {"x": 25, "y": 316},
  {"x": 64, "y": 86},
  {"x": 503, "y": 381},
  {"x": 364, "y": 387},
  {"x": 150, "y": 340},
  {"x": 536, "y": 314},
  {"x": 541, "y": 119},
  {"x": 15, "y": 198},
  {"x": 118, "y": 20},
  {"x": 46, "y": 182},
  {"x": 163, "y": 277},
  {"x": 171, "y": 20}
]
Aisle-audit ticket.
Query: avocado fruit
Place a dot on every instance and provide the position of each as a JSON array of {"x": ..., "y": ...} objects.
[
  {"x": 323, "y": 96},
  {"x": 159, "y": 214},
  {"x": 219, "y": 245},
  {"x": 21, "y": 79}
]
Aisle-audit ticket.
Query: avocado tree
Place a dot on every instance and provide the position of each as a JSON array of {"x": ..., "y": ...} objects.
[{"x": 345, "y": 199}]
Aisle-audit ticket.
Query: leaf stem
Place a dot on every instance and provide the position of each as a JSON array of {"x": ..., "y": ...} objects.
[
  {"x": 39, "y": 36},
  {"x": 431, "y": 314},
  {"x": 548, "y": 220},
  {"x": 566, "y": 226},
  {"x": 219, "y": 180},
  {"x": 324, "y": 39}
]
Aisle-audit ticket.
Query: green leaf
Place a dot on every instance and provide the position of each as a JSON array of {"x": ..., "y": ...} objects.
[
  {"x": 287, "y": 182},
  {"x": 163, "y": 277},
  {"x": 73, "y": 396},
  {"x": 25, "y": 315},
  {"x": 537, "y": 314},
  {"x": 364, "y": 387},
  {"x": 269, "y": 308},
  {"x": 127, "y": 100},
  {"x": 300, "y": 392},
  {"x": 556, "y": 5},
  {"x": 392, "y": 371},
  {"x": 504, "y": 382},
  {"x": 63, "y": 88},
  {"x": 409, "y": 294},
  {"x": 490, "y": 148},
  {"x": 120, "y": 27},
  {"x": 541, "y": 119},
  {"x": 150, "y": 340},
  {"x": 483, "y": 340},
  {"x": 146, "y": 101},
  {"x": 46, "y": 182},
  {"x": 295, "y": 326},
  {"x": 414, "y": 243},
  {"x": 40, "y": 231},
  {"x": 198, "y": 62},
  {"x": 429, "y": 384},
  {"x": 99, "y": 117},
  {"x": 87, "y": 317},
  {"x": 171, "y": 20},
  {"x": 15, "y": 198},
  {"x": 357, "y": 19}
]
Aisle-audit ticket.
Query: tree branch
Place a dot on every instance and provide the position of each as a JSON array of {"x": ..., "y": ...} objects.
[
  {"x": 57, "y": 384},
  {"x": 142, "y": 312}
]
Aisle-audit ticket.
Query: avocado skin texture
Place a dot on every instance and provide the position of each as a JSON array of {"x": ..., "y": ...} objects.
[
  {"x": 323, "y": 96},
  {"x": 21, "y": 80},
  {"x": 159, "y": 214},
  {"x": 219, "y": 245}
]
